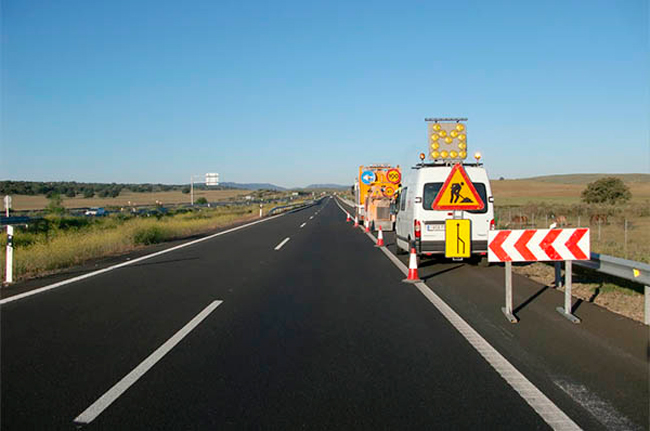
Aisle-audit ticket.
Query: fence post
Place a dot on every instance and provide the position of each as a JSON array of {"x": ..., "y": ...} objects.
[
  {"x": 566, "y": 311},
  {"x": 625, "y": 239},
  {"x": 9, "y": 261},
  {"x": 507, "y": 310},
  {"x": 598, "y": 229}
]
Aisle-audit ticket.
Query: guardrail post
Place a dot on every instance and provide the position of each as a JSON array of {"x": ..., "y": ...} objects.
[
  {"x": 507, "y": 310},
  {"x": 9, "y": 261},
  {"x": 558, "y": 274},
  {"x": 647, "y": 304},
  {"x": 566, "y": 311}
]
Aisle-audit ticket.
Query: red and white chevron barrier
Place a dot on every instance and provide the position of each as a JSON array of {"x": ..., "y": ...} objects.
[{"x": 538, "y": 245}]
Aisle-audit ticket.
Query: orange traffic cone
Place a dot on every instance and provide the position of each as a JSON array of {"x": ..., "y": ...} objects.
[
  {"x": 356, "y": 221},
  {"x": 380, "y": 238},
  {"x": 413, "y": 268},
  {"x": 348, "y": 217},
  {"x": 367, "y": 226}
]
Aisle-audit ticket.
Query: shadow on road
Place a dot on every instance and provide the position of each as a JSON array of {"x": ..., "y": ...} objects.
[
  {"x": 166, "y": 261},
  {"x": 427, "y": 277},
  {"x": 529, "y": 300}
]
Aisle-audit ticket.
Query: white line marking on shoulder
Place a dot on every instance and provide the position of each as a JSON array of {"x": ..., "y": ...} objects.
[{"x": 303, "y": 225}]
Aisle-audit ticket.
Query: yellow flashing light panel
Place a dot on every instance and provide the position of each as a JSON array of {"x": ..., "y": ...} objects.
[{"x": 447, "y": 140}]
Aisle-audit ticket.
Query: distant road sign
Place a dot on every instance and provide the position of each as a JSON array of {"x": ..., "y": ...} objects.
[
  {"x": 458, "y": 193},
  {"x": 212, "y": 179},
  {"x": 532, "y": 245},
  {"x": 394, "y": 176},
  {"x": 368, "y": 177},
  {"x": 458, "y": 238}
]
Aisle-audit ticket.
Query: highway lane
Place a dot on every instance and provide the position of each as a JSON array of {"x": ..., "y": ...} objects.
[{"x": 318, "y": 334}]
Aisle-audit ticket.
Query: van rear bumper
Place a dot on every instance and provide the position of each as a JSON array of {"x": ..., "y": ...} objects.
[{"x": 438, "y": 247}]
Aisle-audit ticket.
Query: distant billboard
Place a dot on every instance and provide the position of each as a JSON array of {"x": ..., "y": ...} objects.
[{"x": 212, "y": 179}]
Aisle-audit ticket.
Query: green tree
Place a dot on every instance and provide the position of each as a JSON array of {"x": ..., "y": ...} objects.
[
  {"x": 201, "y": 201},
  {"x": 70, "y": 193},
  {"x": 89, "y": 193},
  {"x": 609, "y": 190},
  {"x": 55, "y": 206}
]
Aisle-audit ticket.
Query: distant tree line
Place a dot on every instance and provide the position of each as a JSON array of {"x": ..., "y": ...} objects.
[{"x": 72, "y": 188}]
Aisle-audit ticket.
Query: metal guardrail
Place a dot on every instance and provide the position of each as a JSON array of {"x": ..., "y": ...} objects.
[
  {"x": 293, "y": 206},
  {"x": 628, "y": 269},
  {"x": 638, "y": 272},
  {"x": 5, "y": 221}
]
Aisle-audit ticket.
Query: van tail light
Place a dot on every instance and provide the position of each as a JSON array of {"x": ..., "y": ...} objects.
[
  {"x": 418, "y": 229},
  {"x": 492, "y": 224}
]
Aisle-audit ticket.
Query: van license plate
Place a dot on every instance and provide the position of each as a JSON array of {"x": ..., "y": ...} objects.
[{"x": 435, "y": 228}]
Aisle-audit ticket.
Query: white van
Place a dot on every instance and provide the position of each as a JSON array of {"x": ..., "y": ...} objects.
[{"x": 418, "y": 223}]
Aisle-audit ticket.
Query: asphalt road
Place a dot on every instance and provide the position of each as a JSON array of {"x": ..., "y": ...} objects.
[{"x": 317, "y": 332}]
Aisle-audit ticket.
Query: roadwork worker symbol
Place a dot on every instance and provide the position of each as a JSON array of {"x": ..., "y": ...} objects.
[{"x": 458, "y": 193}]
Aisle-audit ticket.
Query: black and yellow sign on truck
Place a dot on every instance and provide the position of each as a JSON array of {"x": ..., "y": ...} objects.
[{"x": 458, "y": 238}]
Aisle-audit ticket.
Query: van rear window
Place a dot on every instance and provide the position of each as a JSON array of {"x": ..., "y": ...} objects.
[{"x": 431, "y": 191}]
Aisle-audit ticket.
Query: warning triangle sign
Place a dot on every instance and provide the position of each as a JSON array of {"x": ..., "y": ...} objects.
[{"x": 458, "y": 193}]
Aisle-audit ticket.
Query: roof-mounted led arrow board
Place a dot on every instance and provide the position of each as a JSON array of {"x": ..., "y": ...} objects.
[
  {"x": 458, "y": 193},
  {"x": 532, "y": 245}
]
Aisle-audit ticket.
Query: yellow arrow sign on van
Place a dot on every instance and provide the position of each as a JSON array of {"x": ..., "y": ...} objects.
[
  {"x": 458, "y": 238},
  {"x": 458, "y": 193}
]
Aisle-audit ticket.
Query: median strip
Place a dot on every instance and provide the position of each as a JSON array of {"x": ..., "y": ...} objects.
[{"x": 127, "y": 381}]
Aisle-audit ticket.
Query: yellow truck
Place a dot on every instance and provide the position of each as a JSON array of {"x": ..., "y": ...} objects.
[{"x": 375, "y": 189}]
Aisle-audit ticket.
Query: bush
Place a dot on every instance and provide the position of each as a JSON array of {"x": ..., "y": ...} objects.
[
  {"x": 201, "y": 201},
  {"x": 55, "y": 206},
  {"x": 148, "y": 235},
  {"x": 609, "y": 190}
]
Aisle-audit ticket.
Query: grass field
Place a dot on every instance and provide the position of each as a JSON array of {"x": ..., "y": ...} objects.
[
  {"x": 24, "y": 202},
  {"x": 520, "y": 192}
]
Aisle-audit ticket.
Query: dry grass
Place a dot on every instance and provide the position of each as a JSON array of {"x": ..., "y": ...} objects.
[
  {"x": 520, "y": 192},
  {"x": 25, "y": 202}
]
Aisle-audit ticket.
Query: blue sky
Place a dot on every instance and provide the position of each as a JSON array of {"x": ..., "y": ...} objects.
[{"x": 302, "y": 92}]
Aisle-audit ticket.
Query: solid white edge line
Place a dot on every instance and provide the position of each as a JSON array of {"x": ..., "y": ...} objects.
[
  {"x": 303, "y": 225},
  {"x": 284, "y": 241},
  {"x": 130, "y": 262},
  {"x": 127, "y": 381},
  {"x": 543, "y": 406}
]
